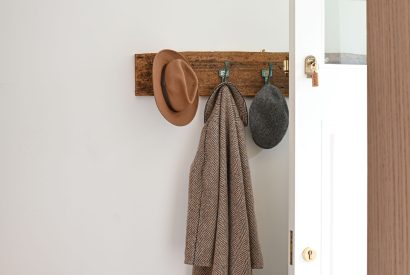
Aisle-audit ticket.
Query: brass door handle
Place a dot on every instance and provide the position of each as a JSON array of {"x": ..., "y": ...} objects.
[{"x": 311, "y": 69}]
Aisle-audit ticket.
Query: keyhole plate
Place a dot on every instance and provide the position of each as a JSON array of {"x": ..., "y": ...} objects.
[{"x": 309, "y": 254}]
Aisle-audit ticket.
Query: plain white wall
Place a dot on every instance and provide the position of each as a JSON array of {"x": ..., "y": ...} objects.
[{"x": 92, "y": 179}]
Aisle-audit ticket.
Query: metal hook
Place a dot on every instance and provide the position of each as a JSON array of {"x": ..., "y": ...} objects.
[
  {"x": 224, "y": 73},
  {"x": 267, "y": 73}
]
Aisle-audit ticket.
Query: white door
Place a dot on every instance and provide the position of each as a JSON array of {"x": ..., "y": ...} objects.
[{"x": 328, "y": 144}]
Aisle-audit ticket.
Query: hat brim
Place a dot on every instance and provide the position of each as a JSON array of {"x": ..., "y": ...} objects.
[{"x": 177, "y": 118}]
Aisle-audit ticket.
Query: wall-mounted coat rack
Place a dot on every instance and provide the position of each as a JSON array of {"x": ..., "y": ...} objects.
[{"x": 245, "y": 71}]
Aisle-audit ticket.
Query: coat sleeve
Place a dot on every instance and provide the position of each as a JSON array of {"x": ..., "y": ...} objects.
[{"x": 203, "y": 198}]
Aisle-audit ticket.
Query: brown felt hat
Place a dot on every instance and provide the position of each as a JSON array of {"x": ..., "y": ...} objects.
[{"x": 175, "y": 87}]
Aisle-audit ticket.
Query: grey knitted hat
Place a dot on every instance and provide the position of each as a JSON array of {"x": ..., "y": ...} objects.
[{"x": 268, "y": 117}]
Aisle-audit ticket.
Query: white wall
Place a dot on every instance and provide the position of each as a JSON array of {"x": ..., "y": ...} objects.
[{"x": 92, "y": 179}]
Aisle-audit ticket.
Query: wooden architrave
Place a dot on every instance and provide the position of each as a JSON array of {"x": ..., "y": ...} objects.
[
  {"x": 388, "y": 97},
  {"x": 245, "y": 71}
]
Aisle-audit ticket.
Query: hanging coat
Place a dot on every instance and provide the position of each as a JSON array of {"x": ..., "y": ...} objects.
[{"x": 221, "y": 237}]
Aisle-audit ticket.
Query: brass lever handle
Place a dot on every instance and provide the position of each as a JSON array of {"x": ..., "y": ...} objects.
[
  {"x": 310, "y": 62},
  {"x": 311, "y": 70}
]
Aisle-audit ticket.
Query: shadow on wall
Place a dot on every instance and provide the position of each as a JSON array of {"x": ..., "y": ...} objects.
[{"x": 270, "y": 179}]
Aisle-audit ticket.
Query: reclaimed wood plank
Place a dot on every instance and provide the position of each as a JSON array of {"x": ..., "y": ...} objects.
[{"x": 245, "y": 70}]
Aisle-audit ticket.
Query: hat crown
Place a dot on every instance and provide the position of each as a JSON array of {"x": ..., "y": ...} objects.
[
  {"x": 181, "y": 84},
  {"x": 175, "y": 87},
  {"x": 268, "y": 117}
]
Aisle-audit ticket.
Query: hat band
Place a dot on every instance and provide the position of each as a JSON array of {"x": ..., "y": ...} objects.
[{"x": 164, "y": 89}]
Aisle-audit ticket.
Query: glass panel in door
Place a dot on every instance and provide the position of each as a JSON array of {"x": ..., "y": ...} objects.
[{"x": 345, "y": 32}]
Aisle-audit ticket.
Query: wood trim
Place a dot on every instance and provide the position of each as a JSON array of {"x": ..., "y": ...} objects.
[
  {"x": 389, "y": 137},
  {"x": 245, "y": 71}
]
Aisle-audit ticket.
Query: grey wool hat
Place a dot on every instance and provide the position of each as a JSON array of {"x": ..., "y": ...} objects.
[{"x": 268, "y": 117}]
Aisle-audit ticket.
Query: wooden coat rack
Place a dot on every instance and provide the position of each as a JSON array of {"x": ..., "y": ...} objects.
[{"x": 245, "y": 71}]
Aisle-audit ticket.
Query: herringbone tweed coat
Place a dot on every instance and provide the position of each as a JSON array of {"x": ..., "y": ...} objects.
[{"x": 221, "y": 232}]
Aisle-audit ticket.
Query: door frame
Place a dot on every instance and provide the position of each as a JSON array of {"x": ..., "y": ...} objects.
[{"x": 388, "y": 28}]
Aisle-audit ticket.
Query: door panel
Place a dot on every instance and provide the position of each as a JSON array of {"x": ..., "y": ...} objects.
[{"x": 344, "y": 170}]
